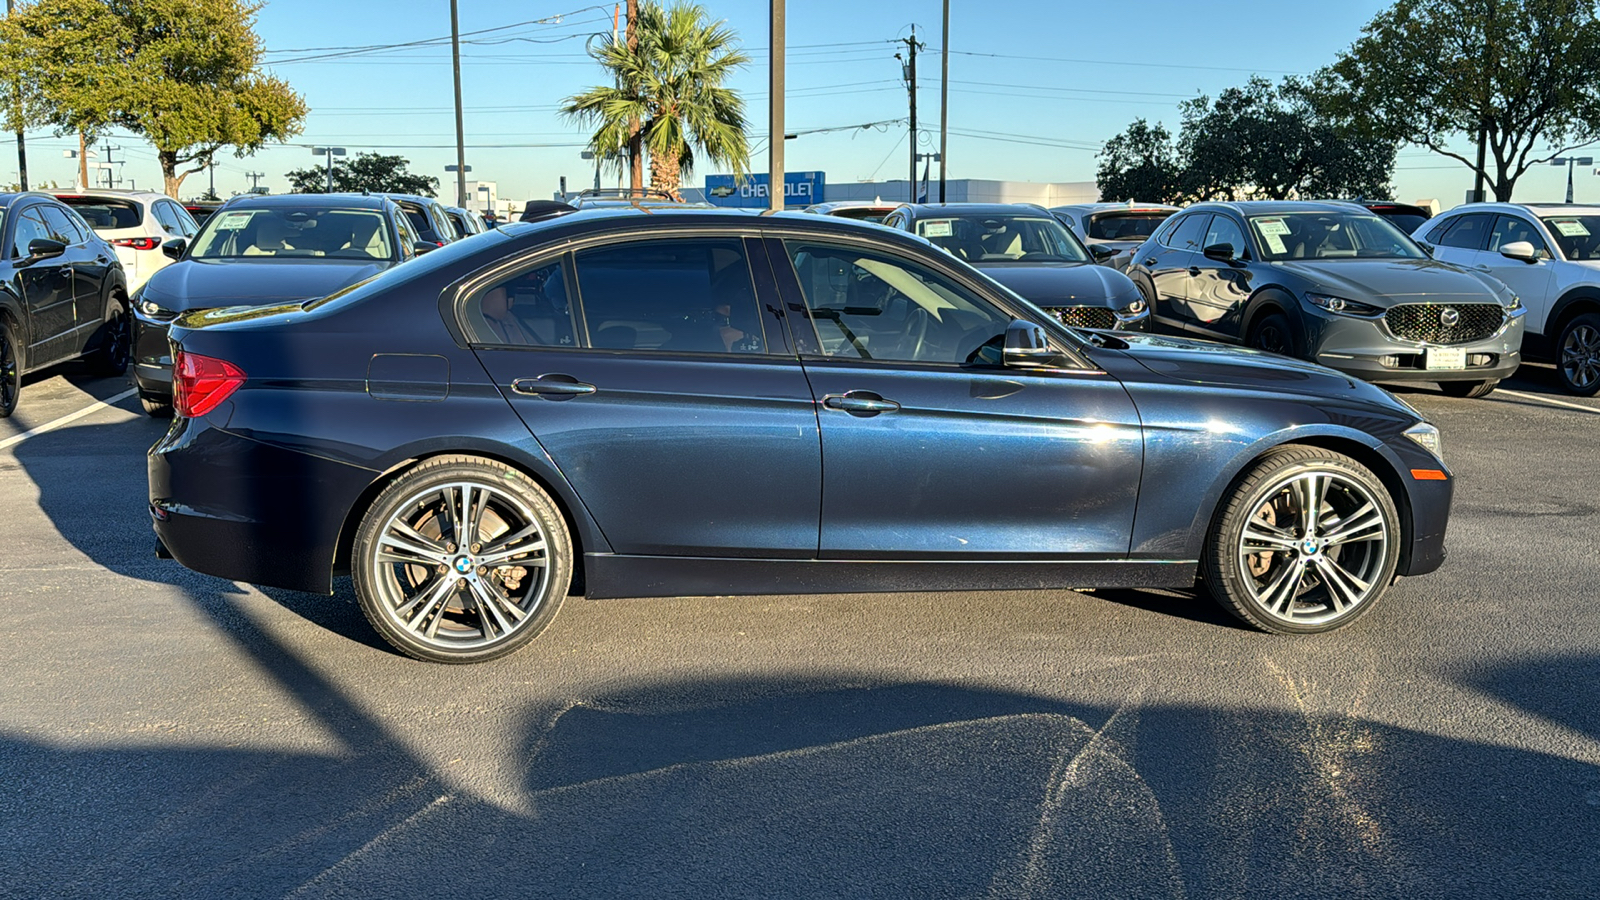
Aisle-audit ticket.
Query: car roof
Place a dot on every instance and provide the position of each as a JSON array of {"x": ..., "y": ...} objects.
[
  {"x": 1269, "y": 207},
  {"x": 411, "y": 198},
  {"x": 115, "y": 194},
  {"x": 656, "y": 218},
  {"x": 979, "y": 209},
  {"x": 306, "y": 201},
  {"x": 7, "y": 199},
  {"x": 1577, "y": 209},
  {"x": 1134, "y": 207},
  {"x": 853, "y": 204}
]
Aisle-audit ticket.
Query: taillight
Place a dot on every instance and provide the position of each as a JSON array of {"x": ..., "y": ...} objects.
[
  {"x": 200, "y": 383},
  {"x": 137, "y": 243}
]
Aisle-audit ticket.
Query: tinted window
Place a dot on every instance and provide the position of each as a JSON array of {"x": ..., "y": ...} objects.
[
  {"x": 685, "y": 296},
  {"x": 530, "y": 309},
  {"x": 869, "y": 306},
  {"x": 1003, "y": 238},
  {"x": 303, "y": 233},
  {"x": 102, "y": 214},
  {"x": 165, "y": 218},
  {"x": 187, "y": 226},
  {"x": 1125, "y": 227},
  {"x": 30, "y": 227},
  {"x": 1224, "y": 230},
  {"x": 1468, "y": 233},
  {"x": 1190, "y": 232},
  {"x": 1407, "y": 222},
  {"x": 1511, "y": 229},
  {"x": 61, "y": 225},
  {"x": 1578, "y": 236}
]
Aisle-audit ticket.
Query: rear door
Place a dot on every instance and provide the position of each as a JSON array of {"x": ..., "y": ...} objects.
[
  {"x": 46, "y": 292},
  {"x": 91, "y": 265},
  {"x": 1169, "y": 261},
  {"x": 664, "y": 390},
  {"x": 932, "y": 451}
]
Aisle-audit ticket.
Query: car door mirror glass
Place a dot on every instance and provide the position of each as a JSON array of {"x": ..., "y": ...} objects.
[
  {"x": 174, "y": 248},
  {"x": 421, "y": 247},
  {"x": 1028, "y": 347},
  {"x": 44, "y": 248},
  {"x": 1522, "y": 250},
  {"x": 1101, "y": 253},
  {"x": 1220, "y": 252}
]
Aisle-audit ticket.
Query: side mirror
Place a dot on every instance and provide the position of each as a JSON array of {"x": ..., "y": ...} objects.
[
  {"x": 1219, "y": 252},
  {"x": 174, "y": 248},
  {"x": 1028, "y": 347},
  {"x": 421, "y": 247},
  {"x": 1426, "y": 248},
  {"x": 44, "y": 248},
  {"x": 1522, "y": 250},
  {"x": 1101, "y": 252}
]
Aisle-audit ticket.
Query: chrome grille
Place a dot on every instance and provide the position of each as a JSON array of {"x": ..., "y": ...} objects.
[
  {"x": 1085, "y": 316},
  {"x": 1426, "y": 322}
]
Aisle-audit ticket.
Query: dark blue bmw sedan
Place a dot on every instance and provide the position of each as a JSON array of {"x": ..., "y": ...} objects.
[{"x": 660, "y": 403}]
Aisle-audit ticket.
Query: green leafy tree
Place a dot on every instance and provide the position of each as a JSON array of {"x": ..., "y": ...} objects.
[
  {"x": 183, "y": 74},
  {"x": 373, "y": 172},
  {"x": 1521, "y": 72},
  {"x": 1141, "y": 163},
  {"x": 672, "y": 82}
]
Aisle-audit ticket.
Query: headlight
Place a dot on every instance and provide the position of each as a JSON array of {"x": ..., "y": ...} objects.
[
  {"x": 1427, "y": 437},
  {"x": 1135, "y": 308},
  {"x": 1515, "y": 307},
  {"x": 1343, "y": 307}
]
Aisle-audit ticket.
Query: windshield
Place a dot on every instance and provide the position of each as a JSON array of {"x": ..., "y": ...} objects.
[
  {"x": 1126, "y": 227},
  {"x": 1003, "y": 238},
  {"x": 1331, "y": 235},
  {"x": 1577, "y": 236},
  {"x": 294, "y": 233}
]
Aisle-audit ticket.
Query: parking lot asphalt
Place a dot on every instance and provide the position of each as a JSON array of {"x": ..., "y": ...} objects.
[{"x": 164, "y": 733}]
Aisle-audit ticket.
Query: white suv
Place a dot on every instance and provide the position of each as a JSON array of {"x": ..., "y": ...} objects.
[
  {"x": 136, "y": 223},
  {"x": 1549, "y": 255}
]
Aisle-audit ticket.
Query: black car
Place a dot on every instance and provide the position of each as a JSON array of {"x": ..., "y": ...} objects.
[
  {"x": 1333, "y": 283},
  {"x": 263, "y": 250},
  {"x": 63, "y": 294},
  {"x": 428, "y": 218},
  {"x": 1406, "y": 216},
  {"x": 658, "y": 403},
  {"x": 1027, "y": 249}
]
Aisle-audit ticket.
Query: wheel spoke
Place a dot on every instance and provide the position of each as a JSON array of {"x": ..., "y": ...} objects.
[
  {"x": 1264, "y": 535},
  {"x": 493, "y": 604},
  {"x": 408, "y": 552},
  {"x": 426, "y": 603},
  {"x": 1280, "y": 595},
  {"x": 515, "y": 553},
  {"x": 1344, "y": 589},
  {"x": 1365, "y": 524}
]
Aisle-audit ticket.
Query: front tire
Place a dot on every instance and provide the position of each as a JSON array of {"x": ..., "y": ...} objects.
[
  {"x": 10, "y": 371},
  {"x": 1271, "y": 333},
  {"x": 1306, "y": 541},
  {"x": 461, "y": 560},
  {"x": 1469, "y": 390},
  {"x": 1578, "y": 355}
]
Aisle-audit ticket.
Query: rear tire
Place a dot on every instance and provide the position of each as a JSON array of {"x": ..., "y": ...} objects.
[
  {"x": 1468, "y": 389},
  {"x": 1271, "y": 333},
  {"x": 1306, "y": 541},
  {"x": 461, "y": 560},
  {"x": 114, "y": 349},
  {"x": 10, "y": 370},
  {"x": 1578, "y": 355},
  {"x": 156, "y": 408}
]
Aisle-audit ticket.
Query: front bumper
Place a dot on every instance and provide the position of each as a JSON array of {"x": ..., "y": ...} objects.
[
  {"x": 152, "y": 357},
  {"x": 1367, "y": 349}
]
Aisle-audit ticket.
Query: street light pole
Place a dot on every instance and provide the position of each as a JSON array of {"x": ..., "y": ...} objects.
[
  {"x": 22, "y": 145},
  {"x": 330, "y": 153},
  {"x": 1569, "y": 162},
  {"x": 776, "y": 52},
  {"x": 461, "y": 140},
  {"x": 944, "y": 97}
]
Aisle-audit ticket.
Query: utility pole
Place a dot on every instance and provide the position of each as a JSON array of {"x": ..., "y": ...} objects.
[
  {"x": 110, "y": 149},
  {"x": 329, "y": 152},
  {"x": 911, "y": 84},
  {"x": 211, "y": 189},
  {"x": 775, "y": 52},
  {"x": 944, "y": 97},
  {"x": 635, "y": 140},
  {"x": 255, "y": 179},
  {"x": 83, "y": 161},
  {"x": 22, "y": 145},
  {"x": 461, "y": 139}
]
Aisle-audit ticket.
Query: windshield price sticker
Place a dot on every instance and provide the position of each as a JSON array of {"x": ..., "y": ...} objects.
[
  {"x": 1271, "y": 227},
  {"x": 938, "y": 228},
  {"x": 234, "y": 221},
  {"x": 1570, "y": 227}
]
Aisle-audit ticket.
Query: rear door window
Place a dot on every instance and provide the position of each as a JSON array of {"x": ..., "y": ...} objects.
[
  {"x": 1189, "y": 234},
  {"x": 691, "y": 295},
  {"x": 1467, "y": 232}
]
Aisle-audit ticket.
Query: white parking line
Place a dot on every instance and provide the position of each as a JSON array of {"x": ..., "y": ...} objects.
[
  {"x": 70, "y": 417},
  {"x": 1538, "y": 399}
]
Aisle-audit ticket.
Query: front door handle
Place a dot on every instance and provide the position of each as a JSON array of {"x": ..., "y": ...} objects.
[
  {"x": 1194, "y": 270},
  {"x": 1151, "y": 261},
  {"x": 862, "y": 402},
  {"x": 552, "y": 387}
]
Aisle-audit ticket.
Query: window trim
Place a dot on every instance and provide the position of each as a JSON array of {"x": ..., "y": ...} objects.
[
  {"x": 1452, "y": 224},
  {"x": 1178, "y": 226}
]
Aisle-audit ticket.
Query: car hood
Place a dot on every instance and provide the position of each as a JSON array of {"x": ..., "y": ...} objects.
[
  {"x": 205, "y": 284},
  {"x": 1061, "y": 284},
  {"x": 1205, "y": 362},
  {"x": 1387, "y": 282}
]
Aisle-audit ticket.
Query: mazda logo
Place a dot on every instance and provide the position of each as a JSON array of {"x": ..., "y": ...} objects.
[{"x": 1449, "y": 318}]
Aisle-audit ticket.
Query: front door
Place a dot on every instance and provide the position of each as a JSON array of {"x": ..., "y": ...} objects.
[
  {"x": 1529, "y": 280},
  {"x": 664, "y": 391},
  {"x": 1218, "y": 291},
  {"x": 930, "y": 449},
  {"x": 1170, "y": 266},
  {"x": 47, "y": 293}
]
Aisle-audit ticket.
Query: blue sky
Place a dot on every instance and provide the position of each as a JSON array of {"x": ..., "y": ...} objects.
[{"x": 1034, "y": 86}]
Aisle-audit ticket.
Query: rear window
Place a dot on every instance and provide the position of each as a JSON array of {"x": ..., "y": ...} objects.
[
  {"x": 1126, "y": 226},
  {"x": 104, "y": 213},
  {"x": 863, "y": 214}
]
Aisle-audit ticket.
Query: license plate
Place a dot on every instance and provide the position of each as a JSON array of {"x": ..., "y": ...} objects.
[{"x": 1444, "y": 358}]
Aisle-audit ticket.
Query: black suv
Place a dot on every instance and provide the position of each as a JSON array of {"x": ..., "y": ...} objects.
[
  {"x": 428, "y": 218},
  {"x": 62, "y": 293}
]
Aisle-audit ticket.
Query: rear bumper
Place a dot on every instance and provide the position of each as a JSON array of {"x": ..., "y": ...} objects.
[{"x": 237, "y": 508}]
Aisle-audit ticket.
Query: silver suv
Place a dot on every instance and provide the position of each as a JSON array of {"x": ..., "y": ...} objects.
[
  {"x": 1118, "y": 227},
  {"x": 1549, "y": 254}
]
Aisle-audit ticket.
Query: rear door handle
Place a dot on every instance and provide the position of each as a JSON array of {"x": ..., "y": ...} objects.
[
  {"x": 552, "y": 387},
  {"x": 859, "y": 402}
]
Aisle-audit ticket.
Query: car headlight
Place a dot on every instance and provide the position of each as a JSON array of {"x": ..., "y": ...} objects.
[
  {"x": 1427, "y": 437},
  {"x": 1343, "y": 307},
  {"x": 154, "y": 311},
  {"x": 1136, "y": 308}
]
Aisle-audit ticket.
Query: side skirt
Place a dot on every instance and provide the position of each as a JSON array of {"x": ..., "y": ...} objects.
[{"x": 610, "y": 575}]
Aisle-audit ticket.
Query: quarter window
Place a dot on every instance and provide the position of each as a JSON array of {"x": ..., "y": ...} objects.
[
  {"x": 1467, "y": 233},
  {"x": 1188, "y": 234},
  {"x": 529, "y": 309},
  {"x": 865, "y": 305},
  {"x": 677, "y": 296}
]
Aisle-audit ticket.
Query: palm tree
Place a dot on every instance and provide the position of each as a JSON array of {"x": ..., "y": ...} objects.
[{"x": 671, "y": 81}]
